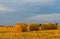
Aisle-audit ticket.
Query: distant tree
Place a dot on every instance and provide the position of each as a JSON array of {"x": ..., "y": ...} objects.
[
  {"x": 56, "y": 23},
  {"x": 40, "y": 25}
]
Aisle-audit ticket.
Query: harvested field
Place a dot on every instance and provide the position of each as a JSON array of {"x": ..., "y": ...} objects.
[{"x": 44, "y": 34}]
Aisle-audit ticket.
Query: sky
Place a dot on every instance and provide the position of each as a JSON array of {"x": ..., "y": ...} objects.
[{"x": 12, "y": 11}]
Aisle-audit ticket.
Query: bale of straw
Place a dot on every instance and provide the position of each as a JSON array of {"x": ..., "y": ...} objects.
[
  {"x": 21, "y": 27},
  {"x": 49, "y": 26},
  {"x": 33, "y": 27}
]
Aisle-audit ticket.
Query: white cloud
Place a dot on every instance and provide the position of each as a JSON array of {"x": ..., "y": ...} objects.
[
  {"x": 35, "y": 1},
  {"x": 41, "y": 1},
  {"x": 46, "y": 17},
  {"x": 4, "y": 8},
  {"x": 21, "y": 4}
]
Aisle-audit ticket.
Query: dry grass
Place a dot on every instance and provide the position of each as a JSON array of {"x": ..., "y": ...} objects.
[
  {"x": 41, "y": 34},
  {"x": 46, "y": 34}
]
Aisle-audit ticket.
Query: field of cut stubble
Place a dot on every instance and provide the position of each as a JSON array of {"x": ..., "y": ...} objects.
[{"x": 41, "y": 34}]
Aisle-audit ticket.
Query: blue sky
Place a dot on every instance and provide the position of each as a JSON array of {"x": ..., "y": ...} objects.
[{"x": 12, "y": 11}]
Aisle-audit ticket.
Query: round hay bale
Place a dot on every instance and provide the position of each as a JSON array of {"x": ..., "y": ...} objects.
[
  {"x": 17, "y": 27},
  {"x": 33, "y": 27},
  {"x": 48, "y": 26},
  {"x": 54, "y": 26},
  {"x": 21, "y": 27},
  {"x": 24, "y": 27}
]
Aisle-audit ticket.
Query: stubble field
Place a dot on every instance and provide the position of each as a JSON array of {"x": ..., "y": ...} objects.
[{"x": 41, "y": 34}]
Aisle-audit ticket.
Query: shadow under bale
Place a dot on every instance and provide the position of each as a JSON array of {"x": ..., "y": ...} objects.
[
  {"x": 49, "y": 26},
  {"x": 33, "y": 27}
]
